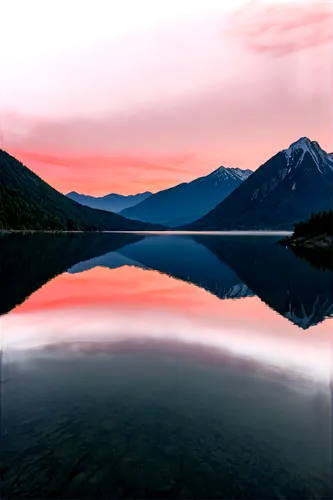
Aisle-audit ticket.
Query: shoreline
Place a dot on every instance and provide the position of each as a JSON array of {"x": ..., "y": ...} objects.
[
  {"x": 235, "y": 232},
  {"x": 311, "y": 242}
]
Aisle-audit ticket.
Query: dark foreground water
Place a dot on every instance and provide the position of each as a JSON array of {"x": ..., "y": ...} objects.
[{"x": 164, "y": 367}]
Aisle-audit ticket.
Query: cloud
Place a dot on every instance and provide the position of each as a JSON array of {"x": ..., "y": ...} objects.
[
  {"x": 166, "y": 105},
  {"x": 100, "y": 174},
  {"x": 281, "y": 28}
]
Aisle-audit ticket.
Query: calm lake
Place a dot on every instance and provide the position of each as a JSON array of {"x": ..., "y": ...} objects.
[{"x": 164, "y": 366}]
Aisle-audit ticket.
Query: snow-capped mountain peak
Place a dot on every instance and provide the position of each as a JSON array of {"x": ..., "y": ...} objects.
[
  {"x": 304, "y": 145},
  {"x": 223, "y": 173},
  {"x": 241, "y": 174},
  {"x": 302, "y": 142}
]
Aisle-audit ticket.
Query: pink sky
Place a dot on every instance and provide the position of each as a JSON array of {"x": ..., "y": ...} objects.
[{"x": 112, "y": 96}]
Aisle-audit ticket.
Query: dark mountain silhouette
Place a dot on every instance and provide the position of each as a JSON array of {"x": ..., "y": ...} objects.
[
  {"x": 227, "y": 266},
  {"x": 111, "y": 202},
  {"x": 28, "y": 261},
  {"x": 187, "y": 202},
  {"x": 27, "y": 202},
  {"x": 286, "y": 189}
]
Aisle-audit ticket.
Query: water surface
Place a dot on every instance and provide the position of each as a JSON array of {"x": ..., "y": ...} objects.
[{"x": 164, "y": 366}]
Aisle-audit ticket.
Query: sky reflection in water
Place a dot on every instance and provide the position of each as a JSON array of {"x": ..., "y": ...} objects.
[{"x": 209, "y": 388}]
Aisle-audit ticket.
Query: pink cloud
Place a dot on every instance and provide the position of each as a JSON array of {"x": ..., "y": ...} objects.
[
  {"x": 121, "y": 173},
  {"x": 167, "y": 105},
  {"x": 281, "y": 28}
]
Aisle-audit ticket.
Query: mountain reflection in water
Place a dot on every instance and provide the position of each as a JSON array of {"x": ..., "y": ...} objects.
[{"x": 164, "y": 366}]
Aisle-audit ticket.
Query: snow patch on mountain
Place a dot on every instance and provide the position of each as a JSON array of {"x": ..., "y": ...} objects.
[
  {"x": 224, "y": 173},
  {"x": 241, "y": 174},
  {"x": 319, "y": 156},
  {"x": 238, "y": 291},
  {"x": 310, "y": 318}
]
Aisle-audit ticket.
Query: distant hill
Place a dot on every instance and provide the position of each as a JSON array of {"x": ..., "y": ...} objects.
[
  {"x": 283, "y": 191},
  {"x": 187, "y": 202},
  {"x": 27, "y": 202},
  {"x": 111, "y": 202}
]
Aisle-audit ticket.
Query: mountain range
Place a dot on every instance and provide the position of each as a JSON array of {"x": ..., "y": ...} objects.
[
  {"x": 288, "y": 188},
  {"x": 111, "y": 202},
  {"x": 188, "y": 202},
  {"x": 27, "y": 202}
]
